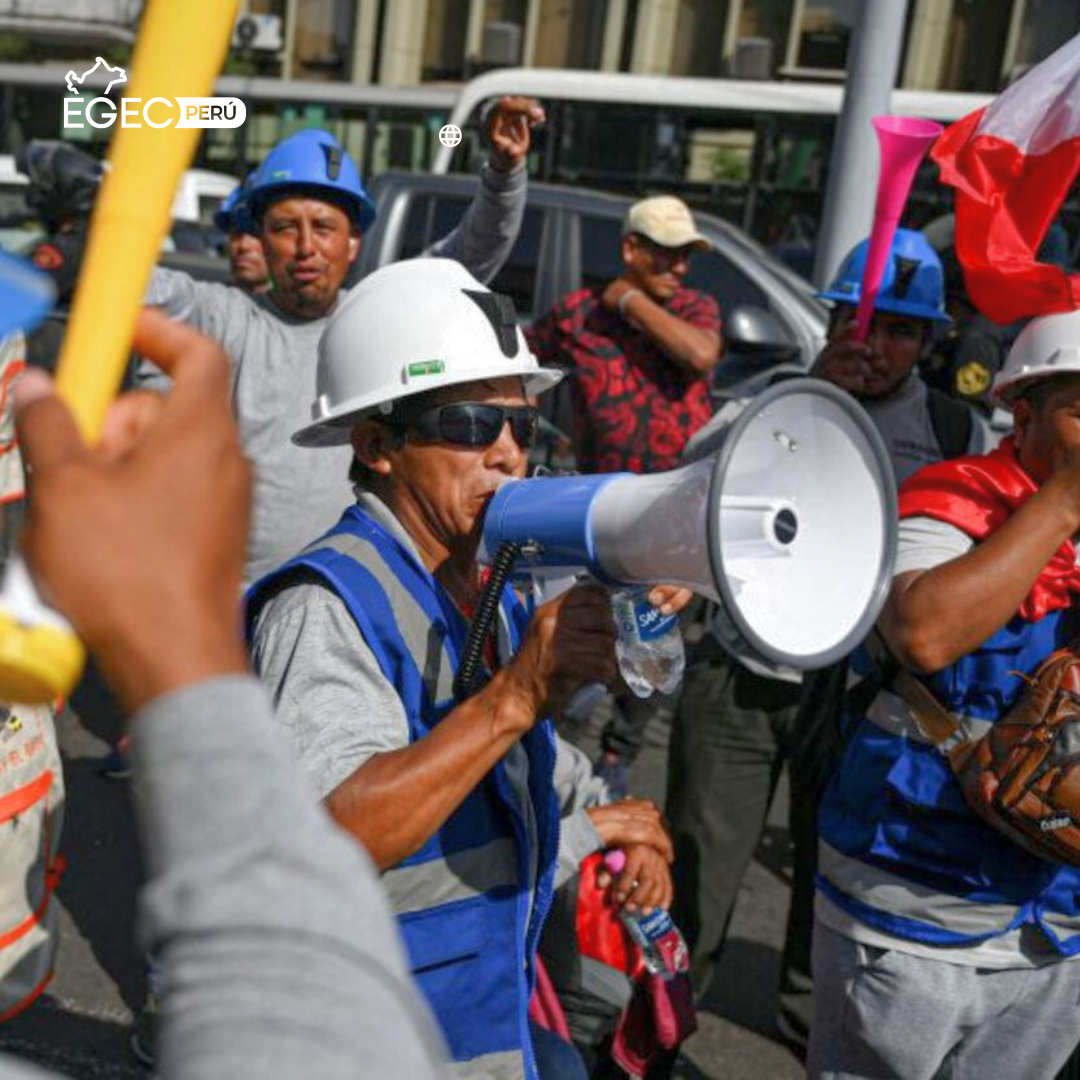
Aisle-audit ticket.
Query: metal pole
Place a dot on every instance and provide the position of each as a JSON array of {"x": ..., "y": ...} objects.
[{"x": 853, "y": 168}]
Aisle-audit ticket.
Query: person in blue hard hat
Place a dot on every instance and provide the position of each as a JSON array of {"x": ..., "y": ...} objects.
[
  {"x": 247, "y": 260},
  {"x": 919, "y": 426},
  {"x": 735, "y": 725},
  {"x": 310, "y": 209}
]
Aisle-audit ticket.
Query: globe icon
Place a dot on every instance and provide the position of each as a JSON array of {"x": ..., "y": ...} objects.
[{"x": 450, "y": 135}]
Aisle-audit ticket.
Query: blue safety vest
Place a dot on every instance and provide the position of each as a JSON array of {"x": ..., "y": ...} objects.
[
  {"x": 902, "y": 852},
  {"x": 462, "y": 901}
]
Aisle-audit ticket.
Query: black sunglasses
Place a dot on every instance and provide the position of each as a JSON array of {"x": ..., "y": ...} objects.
[{"x": 470, "y": 423}]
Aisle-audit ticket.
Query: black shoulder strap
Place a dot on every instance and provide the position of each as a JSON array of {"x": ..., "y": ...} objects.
[{"x": 951, "y": 420}]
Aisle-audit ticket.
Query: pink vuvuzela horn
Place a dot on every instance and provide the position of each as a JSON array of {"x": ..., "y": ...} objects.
[{"x": 904, "y": 141}]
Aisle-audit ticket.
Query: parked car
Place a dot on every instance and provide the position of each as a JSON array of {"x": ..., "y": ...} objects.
[{"x": 570, "y": 238}]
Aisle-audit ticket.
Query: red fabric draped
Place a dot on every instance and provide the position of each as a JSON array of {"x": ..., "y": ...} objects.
[{"x": 978, "y": 495}]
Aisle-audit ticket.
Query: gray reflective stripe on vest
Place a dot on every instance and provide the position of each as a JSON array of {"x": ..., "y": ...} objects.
[
  {"x": 896, "y": 895},
  {"x": 428, "y": 653},
  {"x": 461, "y": 876},
  {"x": 507, "y": 1065},
  {"x": 889, "y": 712},
  {"x": 1065, "y": 926}
]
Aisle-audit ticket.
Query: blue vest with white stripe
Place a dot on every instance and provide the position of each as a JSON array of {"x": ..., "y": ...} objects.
[
  {"x": 463, "y": 904},
  {"x": 894, "y": 815}
]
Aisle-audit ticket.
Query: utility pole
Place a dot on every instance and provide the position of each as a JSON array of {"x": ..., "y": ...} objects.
[{"x": 873, "y": 60}]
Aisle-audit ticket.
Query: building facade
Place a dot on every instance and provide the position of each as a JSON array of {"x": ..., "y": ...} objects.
[{"x": 975, "y": 45}]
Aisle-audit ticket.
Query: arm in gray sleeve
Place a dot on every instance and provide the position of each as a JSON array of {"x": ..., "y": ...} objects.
[
  {"x": 210, "y": 307},
  {"x": 484, "y": 237},
  {"x": 576, "y": 785},
  {"x": 330, "y": 697},
  {"x": 280, "y": 955},
  {"x": 576, "y": 788}
]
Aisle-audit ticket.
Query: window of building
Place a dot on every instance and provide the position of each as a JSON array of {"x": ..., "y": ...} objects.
[
  {"x": 1045, "y": 26},
  {"x": 503, "y": 38},
  {"x": 975, "y": 47},
  {"x": 824, "y": 32},
  {"x": 444, "y": 39},
  {"x": 323, "y": 39},
  {"x": 767, "y": 20},
  {"x": 699, "y": 38},
  {"x": 570, "y": 33}
]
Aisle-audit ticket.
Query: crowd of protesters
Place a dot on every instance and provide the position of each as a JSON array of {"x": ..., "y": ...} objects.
[{"x": 354, "y": 868}]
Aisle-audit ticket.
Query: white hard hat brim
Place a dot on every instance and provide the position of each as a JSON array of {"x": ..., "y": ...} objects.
[
  {"x": 1019, "y": 373},
  {"x": 336, "y": 430}
]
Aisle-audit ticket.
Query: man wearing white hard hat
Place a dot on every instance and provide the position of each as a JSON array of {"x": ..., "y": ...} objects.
[
  {"x": 458, "y": 799},
  {"x": 948, "y": 907}
]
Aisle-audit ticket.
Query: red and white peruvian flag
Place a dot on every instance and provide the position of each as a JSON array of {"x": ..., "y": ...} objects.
[{"x": 1012, "y": 164}]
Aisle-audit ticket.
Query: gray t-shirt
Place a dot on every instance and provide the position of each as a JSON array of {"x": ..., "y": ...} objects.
[
  {"x": 339, "y": 710},
  {"x": 300, "y": 492},
  {"x": 903, "y": 419}
]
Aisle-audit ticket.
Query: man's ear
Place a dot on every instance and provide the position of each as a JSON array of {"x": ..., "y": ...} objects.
[
  {"x": 354, "y": 246},
  {"x": 373, "y": 444},
  {"x": 1022, "y": 413},
  {"x": 632, "y": 253}
]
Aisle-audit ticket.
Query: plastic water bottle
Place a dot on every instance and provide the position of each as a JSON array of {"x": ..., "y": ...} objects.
[
  {"x": 649, "y": 646},
  {"x": 662, "y": 945}
]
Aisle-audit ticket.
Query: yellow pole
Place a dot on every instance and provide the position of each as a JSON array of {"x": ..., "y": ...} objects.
[{"x": 179, "y": 51}]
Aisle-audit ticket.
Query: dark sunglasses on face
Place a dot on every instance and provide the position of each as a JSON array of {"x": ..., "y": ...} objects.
[
  {"x": 666, "y": 256},
  {"x": 470, "y": 423}
]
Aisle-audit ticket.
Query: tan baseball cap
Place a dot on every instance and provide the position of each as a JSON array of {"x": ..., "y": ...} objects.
[{"x": 665, "y": 220}]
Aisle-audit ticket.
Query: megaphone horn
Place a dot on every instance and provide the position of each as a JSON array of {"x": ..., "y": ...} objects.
[
  {"x": 903, "y": 141},
  {"x": 789, "y": 526}
]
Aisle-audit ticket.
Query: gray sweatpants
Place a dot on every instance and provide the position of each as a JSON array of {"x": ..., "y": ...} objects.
[{"x": 887, "y": 1015}]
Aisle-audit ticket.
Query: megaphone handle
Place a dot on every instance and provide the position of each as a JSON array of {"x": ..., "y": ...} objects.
[{"x": 41, "y": 657}]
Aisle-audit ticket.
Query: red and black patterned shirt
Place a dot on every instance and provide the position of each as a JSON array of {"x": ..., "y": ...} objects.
[{"x": 634, "y": 407}]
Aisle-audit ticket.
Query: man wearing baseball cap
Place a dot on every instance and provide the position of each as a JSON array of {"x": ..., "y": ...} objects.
[{"x": 638, "y": 351}]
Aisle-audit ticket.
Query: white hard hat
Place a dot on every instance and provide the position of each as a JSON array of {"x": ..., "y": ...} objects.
[
  {"x": 1048, "y": 345},
  {"x": 413, "y": 326}
]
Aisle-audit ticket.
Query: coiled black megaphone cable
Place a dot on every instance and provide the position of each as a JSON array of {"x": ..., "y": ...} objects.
[{"x": 467, "y": 680}]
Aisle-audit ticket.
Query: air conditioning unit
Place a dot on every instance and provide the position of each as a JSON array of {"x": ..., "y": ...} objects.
[
  {"x": 502, "y": 45},
  {"x": 752, "y": 59},
  {"x": 260, "y": 32}
]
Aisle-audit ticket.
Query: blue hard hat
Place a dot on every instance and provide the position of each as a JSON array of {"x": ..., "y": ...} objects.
[
  {"x": 913, "y": 283},
  {"x": 26, "y": 295},
  {"x": 312, "y": 160},
  {"x": 232, "y": 215}
]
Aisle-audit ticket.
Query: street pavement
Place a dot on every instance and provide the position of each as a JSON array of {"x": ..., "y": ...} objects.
[{"x": 82, "y": 1026}]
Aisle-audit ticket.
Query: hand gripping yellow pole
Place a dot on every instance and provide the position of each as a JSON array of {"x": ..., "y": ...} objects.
[{"x": 180, "y": 50}]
